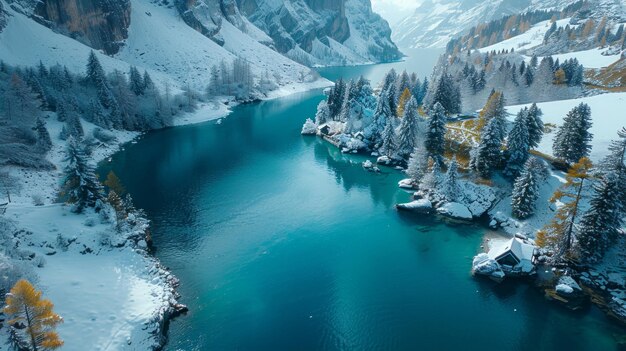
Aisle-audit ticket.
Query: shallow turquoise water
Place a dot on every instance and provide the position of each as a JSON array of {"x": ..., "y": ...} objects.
[{"x": 283, "y": 243}]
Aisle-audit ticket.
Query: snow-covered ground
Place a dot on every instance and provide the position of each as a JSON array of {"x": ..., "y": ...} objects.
[
  {"x": 606, "y": 112},
  {"x": 110, "y": 299},
  {"x": 588, "y": 58}
]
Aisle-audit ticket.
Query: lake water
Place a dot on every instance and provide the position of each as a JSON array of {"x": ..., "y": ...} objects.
[{"x": 283, "y": 243}]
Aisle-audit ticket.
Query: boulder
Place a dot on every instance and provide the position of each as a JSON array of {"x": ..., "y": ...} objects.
[
  {"x": 455, "y": 210},
  {"x": 419, "y": 206}
]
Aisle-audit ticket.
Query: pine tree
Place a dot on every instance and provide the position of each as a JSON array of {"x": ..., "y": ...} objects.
[
  {"x": 95, "y": 72},
  {"x": 21, "y": 106},
  {"x": 80, "y": 186},
  {"x": 418, "y": 164},
  {"x": 402, "y": 101},
  {"x": 487, "y": 155},
  {"x": 435, "y": 134},
  {"x": 558, "y": 235},
  {"x": 403, "y": 84},
  {"x": 388, "y": 147},
  {"x": 447, "y": 94},
  {"x": 525, "y": 191},
  {"x": 323, "y": 113},
  {"x": 494, "y": 110},
  {"x": 433, "y": 179},
  {"x": 136, "y": 83},
  {"x": 614, "y": 163},
  {"x": 534, "y": 125},
  {"x": 450, "y": 188},
  {"x": 518, "y": 145},
  {"x": 44, "y": 143},
  {"x": 31, "y": 319},
  {"x": 573, "y": 139},
  {"x": 74, "y": 127},
  {"x": 409, "y": 129},
  {"x": 599, "y": 226},
  {"x": 382, "y": 114},
  {"x": 148, "y": 84}
]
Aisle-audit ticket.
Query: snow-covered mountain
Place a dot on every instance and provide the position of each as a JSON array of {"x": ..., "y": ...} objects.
[
  {"x": 435, "y": 22},
  {"x": 324, "y": 32},
  {"x": 146, "y": 34}
]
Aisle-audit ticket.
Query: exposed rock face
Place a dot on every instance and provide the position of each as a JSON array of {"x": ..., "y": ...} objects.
[
  {"x": 101, "y": 24},
  {"x": 324, "y": 31},
  {"x": 313, "y": 32}
]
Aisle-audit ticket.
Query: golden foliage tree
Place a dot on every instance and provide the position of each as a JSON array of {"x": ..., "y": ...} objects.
[
  {"x": 559, "y": 76},
  {"x": 558, "y": 234},
  {"x": 404, "y": 98},
  {"x": 32, "y": 319},
  {"x": 113, "y": 183}
]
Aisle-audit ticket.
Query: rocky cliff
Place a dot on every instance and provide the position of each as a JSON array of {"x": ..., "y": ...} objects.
[
  {"x": 313, "y": 32},
  {"x": 101, "y": 24}
]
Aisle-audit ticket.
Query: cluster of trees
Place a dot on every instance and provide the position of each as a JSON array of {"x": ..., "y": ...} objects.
[
  {"x": 486, "y": 34},
  {"x": 477, "y": 74},
  {"x": 588, "y": 35},
  {"x": 238, "y": 80}
]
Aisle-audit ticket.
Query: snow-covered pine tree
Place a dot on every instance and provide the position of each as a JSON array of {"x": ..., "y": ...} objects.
[
  {"x": 487, "y": 155},
  {"x": 518, "y": 146},
  {"x": 432, "y": 180},
  {"x": 558, "y": 235},
  {"x": 32, "y": 320},
  {"x": 525, "y": 191},
  {"x": 450, "y": 187},
  {"x": 148, "y": 84},
  {"x": 599, "y": 225},
  {"x": 447, "y": 94},
  {"x": 614, "y": 163},
  {"x": 44, "y": 143},
  {"x": 573, "y": 139},
  {"x": 95, "y": 73},
  {"x": 136, "y": 84},
  {"x": 21, "y": 106},
  {"x": 403, "y": 83},
  {"x": 389, "y": 86},
  {"x": 418, "y": 164},
  {"x": 323, "y": 113},
  {"x": 408, "y": 131},
  {"x": 494, "y": 110},
  {"x": 382, "y": 114},
  {"x": 388, "y": 147},
  {"x": 80, "y": 185},
  {"x": 535, "y": 125},
  {"x": 435, "y": 133}
]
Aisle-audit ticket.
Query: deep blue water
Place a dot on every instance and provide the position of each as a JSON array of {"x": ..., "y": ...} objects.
[{"x": 283, "y": 243}]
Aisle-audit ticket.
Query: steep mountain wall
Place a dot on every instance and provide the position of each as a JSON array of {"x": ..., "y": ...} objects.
[{"x": 101, "y": 24}]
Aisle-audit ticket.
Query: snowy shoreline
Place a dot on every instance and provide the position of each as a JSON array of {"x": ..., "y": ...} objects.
[{"x": 94, "y": 269}]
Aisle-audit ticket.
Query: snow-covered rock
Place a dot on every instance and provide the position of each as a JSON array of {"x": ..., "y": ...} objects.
[
  {"x": 406, "y": 183},
  {"x": 455, "y": 210},
  {"x": 484, "y": 265},
  {"x": 309, "y": 127},
  {"x": 420, "y": 206},
  {"x": 367, "y": 164}
]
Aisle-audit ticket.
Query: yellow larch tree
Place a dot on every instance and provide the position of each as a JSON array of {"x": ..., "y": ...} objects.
[
  {"x": 32, "y": 319},
  {"x": 558, "y": 234},
  {"x": 404, "y": 98}
]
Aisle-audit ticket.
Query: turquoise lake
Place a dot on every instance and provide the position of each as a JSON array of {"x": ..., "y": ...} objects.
[{"x": 283, "y": 243}]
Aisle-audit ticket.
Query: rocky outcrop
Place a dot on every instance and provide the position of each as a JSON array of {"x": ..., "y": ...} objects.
[
  {"x": 324, "y": 32},
  {"x": 100, "y": 24}
]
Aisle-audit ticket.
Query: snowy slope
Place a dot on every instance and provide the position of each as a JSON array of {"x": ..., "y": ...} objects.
[
  {"x": 159, "y": 42},
  {"x": 606, "y": 112},
  {"x": 435, "y": 22}
]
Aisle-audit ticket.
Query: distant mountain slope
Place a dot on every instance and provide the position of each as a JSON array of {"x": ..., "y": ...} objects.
[{"x": 435, "y": 22}]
